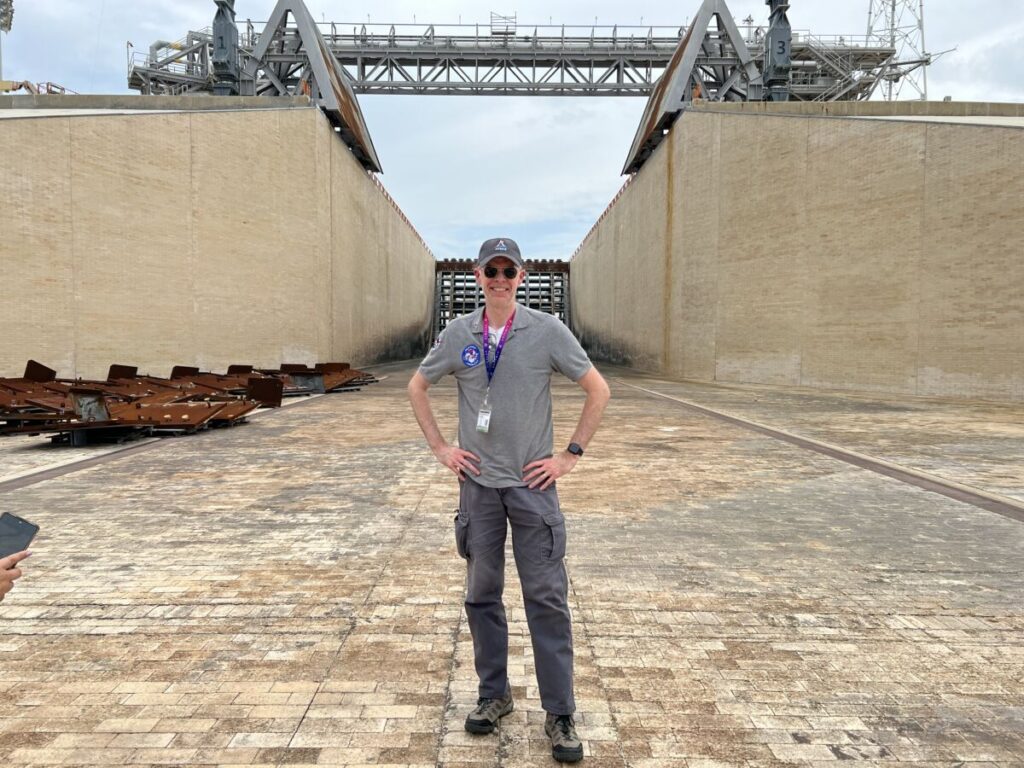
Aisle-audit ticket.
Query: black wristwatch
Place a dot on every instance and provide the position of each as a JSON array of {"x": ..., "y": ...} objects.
[{"x": 575, "y": 449}]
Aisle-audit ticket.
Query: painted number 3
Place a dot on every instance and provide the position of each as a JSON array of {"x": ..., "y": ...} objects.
[{"x": 782, "y": 47}]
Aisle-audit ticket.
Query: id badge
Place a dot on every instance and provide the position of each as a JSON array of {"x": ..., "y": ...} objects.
[{"x": 483, "y": 419}]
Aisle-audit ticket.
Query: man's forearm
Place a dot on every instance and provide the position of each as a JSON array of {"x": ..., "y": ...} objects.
[
  {"x": 598, "y": 396},
  {"x": 462, "y": 463},
  {"x": 425, "y": 418},
  {"x": 590, "y": 419}
]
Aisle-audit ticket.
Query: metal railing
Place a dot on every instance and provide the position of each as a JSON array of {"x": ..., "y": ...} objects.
[{"x": 140, "y": 60}]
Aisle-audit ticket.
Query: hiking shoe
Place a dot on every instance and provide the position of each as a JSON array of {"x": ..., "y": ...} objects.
[
  {"x": 484, "y": 719},
  {"x": 566, "y": 746}
]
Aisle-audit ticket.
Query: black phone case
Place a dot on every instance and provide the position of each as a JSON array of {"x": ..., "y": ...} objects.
[{"x": 15, "y": 534}]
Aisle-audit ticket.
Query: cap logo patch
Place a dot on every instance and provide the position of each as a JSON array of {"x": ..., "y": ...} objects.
[
  {"x": 471, "y": 356},
  {"x": 501, "y": 246}
]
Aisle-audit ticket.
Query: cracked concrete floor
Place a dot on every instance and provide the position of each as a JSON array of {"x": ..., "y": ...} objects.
[{"x": 287, "y": 592}]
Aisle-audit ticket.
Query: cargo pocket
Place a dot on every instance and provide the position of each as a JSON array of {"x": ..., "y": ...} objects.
[
  {"x": 556, "y": 524},
  {"x": 462, "y": 533}
]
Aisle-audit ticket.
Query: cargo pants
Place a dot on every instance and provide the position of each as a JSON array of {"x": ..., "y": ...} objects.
[{"x": 538, "y": 543}]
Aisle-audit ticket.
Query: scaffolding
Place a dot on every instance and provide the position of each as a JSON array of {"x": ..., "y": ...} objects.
[{"x": 546, "y": 289}]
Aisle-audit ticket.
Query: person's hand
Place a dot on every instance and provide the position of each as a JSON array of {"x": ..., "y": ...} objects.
[
  {"x": 457, "y": 460},
  {"x": 9, "y": 572},
  {"x": 544, "y": 472}
]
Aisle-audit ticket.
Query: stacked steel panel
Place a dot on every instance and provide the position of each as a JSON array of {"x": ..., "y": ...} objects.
[{"x": 127, "y": 404}]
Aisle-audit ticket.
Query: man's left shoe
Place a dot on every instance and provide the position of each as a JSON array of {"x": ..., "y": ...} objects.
[
  {"x": 484, "y": 719},
  {"x": 566, "y": 746}
]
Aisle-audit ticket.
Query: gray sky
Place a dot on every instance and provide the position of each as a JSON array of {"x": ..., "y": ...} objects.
[{"x": 540, "y": 170}]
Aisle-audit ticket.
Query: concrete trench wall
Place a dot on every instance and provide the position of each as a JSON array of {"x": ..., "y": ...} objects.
[
  {"x": 869, "y": 255},
  {"x": 201, "y": 238}
]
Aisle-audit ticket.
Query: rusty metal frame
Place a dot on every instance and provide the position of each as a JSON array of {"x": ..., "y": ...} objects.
[
  {"x": 324, "y": 76},
  {"x": 127, "y": 403}
]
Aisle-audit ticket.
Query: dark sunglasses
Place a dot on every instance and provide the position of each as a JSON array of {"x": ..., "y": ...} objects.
[{"x": 492, "y": 272}]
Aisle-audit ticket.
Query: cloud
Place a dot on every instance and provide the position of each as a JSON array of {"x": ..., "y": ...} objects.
[
  {"x": 543, "y": 166},
  {"x": 81, "y": 45},
  {"x": 984, "y": 67}
]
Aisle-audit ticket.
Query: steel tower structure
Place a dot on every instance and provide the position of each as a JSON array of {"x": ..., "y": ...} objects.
[
  {"x": 899, "y": 24},
  {"x": 778, "y": 52},
  {"x": 225, "y": 50}
]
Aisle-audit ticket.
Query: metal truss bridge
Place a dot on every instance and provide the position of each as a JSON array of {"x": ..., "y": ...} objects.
[{"x": 505, "y": 60}]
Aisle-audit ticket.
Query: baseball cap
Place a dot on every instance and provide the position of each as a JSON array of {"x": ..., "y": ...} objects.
[{"x": 500, "y": 246}]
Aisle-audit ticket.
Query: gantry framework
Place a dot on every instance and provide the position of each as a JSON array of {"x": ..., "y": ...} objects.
[
  {"x": 546, "y": 288},
  {"x": 509, "y": 60},
  {"x": 900, "y": 24},
  {"x": 712, "y": 58}
]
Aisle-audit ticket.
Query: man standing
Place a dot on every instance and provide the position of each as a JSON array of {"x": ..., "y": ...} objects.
[{"x": 502, "y": 357}]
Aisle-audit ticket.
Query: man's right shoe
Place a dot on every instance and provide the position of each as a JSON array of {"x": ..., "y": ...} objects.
[
  {"x": 484, "y": 719},
  {"x": 566, "y": 746}
]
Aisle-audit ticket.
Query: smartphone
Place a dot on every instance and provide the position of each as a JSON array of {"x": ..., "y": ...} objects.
[{"x": 15, "y": 534}]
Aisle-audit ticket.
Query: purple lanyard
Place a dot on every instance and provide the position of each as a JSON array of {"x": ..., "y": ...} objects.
[{"x": 492, "y": 367}]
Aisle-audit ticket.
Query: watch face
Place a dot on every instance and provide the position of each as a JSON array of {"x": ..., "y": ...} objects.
[{"x": 575, "y": 449}]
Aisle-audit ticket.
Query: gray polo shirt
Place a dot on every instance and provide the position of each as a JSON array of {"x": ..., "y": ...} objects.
[{"x": 521, "y": 431}]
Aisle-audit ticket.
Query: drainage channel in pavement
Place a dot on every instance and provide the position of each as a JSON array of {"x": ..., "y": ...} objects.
[{"x": 992, "y": 502}]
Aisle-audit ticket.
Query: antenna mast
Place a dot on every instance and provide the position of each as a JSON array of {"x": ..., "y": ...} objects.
[{"x": 899, "y": 24}]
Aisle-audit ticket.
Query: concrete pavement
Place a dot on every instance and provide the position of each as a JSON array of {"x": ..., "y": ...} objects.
[{"x": 287, "y": 592}]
